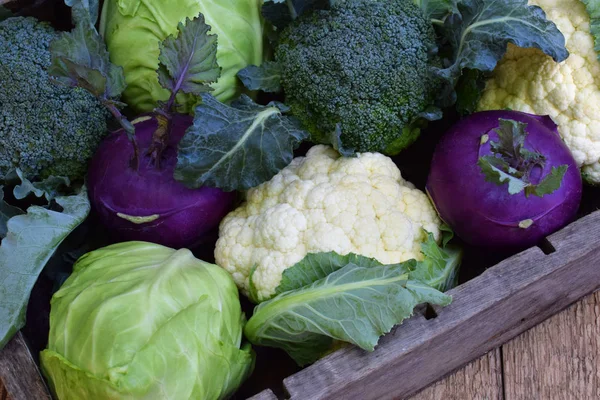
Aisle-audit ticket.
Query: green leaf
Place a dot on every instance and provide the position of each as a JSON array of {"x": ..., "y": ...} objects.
[
  {"x": 550, "y": 183},
  {"x": 188, "y": 61},
  {"x": 84, "y": 11},
  {"x": 437, "y": 9},
  {"x": 252, "y": 291},
  {"x": 316, "y": 266},
  {"x": 480, "y": 31},
  {"x": 593, "y": 9},
  {"x": 469, "y": 88},
  {"x": 6, "y": 212},
  {"x": 335, "y": 139},
  {"x": 31, "y": 240},
  {"x": 439, "y": 269},
  {"x": 266, "y": 77},
  {"x": 79, "y": 58},
  {"x": 236, "y": 147},
  {"x": 492, "y": 168},
  {"x": 354, "y": 304},
  {"x": 5, "y": 13},
  {"x": 49, "y": 188},
  {"x": 511, "y": 162}
]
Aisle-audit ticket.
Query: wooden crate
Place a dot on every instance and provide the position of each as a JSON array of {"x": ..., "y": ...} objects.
[{"x": 486, "y": 312}]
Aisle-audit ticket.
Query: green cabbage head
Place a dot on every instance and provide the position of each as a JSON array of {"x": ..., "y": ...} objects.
[
  {"x": 142, "y": 321},
  {"x": 133, "y": 30}
]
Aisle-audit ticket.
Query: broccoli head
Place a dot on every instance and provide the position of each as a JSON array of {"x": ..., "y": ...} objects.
[
  {"x": 365, "y": 65},
  {"x": 45, "y": 128}
]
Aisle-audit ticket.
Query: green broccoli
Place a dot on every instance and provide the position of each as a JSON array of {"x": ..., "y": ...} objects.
[
  {"x": 45, "y": 128},
  {"x": 365, "y": 65}
]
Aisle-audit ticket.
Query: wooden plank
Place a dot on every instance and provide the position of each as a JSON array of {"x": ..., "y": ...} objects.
[
  {"x": 264, "y": 395},
  {"x": 3, "y": 393},
  {"x": 480, "y": 379},
  {"x": 487, "y": 311},
  {"x": 558, "y": 359},
  {"x": 19, "y": 373}
]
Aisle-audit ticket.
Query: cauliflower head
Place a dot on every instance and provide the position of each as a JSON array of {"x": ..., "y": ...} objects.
[
  {"x": 319, "y": 203},
  {"x": 569, "y": 92}
]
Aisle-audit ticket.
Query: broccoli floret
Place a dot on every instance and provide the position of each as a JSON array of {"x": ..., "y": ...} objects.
[
  {"x": 363, "y": 64},
  {"x": 45, "y": 128}
]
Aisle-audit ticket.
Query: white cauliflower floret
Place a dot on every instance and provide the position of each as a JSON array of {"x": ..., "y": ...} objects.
[
  {"x": 527, "y": 80},
  {"x": 320, "y": 203}
]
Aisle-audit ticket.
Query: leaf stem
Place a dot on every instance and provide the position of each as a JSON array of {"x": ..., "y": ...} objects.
[{"x": 129, "y": 129}]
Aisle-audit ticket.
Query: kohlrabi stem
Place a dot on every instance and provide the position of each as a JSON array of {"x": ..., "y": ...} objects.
[
  {"x": 292, "y": 9},
  {"x": 129, "y": 129},
  {"x": 160, "y": 137}
]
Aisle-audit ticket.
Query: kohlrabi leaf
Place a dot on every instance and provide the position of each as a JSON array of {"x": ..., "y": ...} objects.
[
  {"x": 354, "y": 304},
  {"x": 266, "y": 77},
  {"x": 84, "y": 11},
  {"x": 188, "y": 61},
  {"x": 593, "y": 9},
  {"x": 316, "y": 266},
  {"x": 469, "y": 88},
  {"x": 5, "y": 13},
  {"x": 79, "y": 58},
  {"x": 6, "y": 212},
  {"x": 439, "y": 269},
  {"x": 480, "y": 31},
  {"x": 437, "y": 10},
  {"x": 49, "y": 188},
  {"x": 31, "y": 240},
  {"x": 512, "y": 163},
  {"x": 335, "y": 140},
  {"x": 236, "y": 147}
]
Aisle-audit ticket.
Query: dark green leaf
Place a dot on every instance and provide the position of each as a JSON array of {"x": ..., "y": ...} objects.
[
  {"x": 80, "y": 58},
  {"x": 266, "y": 77},
  {"x": 30, "y": 242},
  {"x": 335, "y": 139},
  {"x": 469, "y": 88},
  {"x": 481, "y": 30},
  {"x": 188, "y": 61},
  {"x": 5, "y": 13},
  {"x": 493, "y": 169},
  {"x": 236, "y": 147},
  {"x": 593, "y": 9},
  {"x": 511, "y": 162},
  {"x": 550, "y": 183},
  {"x": 437, "y": 9},
  {"x": 281, "y": 12},
  {"x": 353, "y": 304},
  {"x": 84, "y": 11},
  {"x": 6, "y": 212},
  {"x": 49, "y": 188},
  {"x": 316, "y": 266}
]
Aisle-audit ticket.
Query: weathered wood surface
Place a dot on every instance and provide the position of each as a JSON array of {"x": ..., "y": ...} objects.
[
  {"x": 487, "y": 311},
  {"x": 264, "y": 395},
  {"x": 480, "y": 379},
  {"x": 19, "y": 373},
  {"x": 558, "y": 359}
]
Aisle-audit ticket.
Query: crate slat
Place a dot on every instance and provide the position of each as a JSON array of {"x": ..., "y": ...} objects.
[
  {"x": 19, "y": 373},
  {"x": 264, "y": 395},
  {"x": 503, "y": 302}
]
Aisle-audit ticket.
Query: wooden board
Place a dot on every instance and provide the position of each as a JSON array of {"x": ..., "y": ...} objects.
[
  {"x": 558, "y": 359},
  {"x": 19, "y": 373},
  {"x": 487, "y": 311},
  {"x": 480, "y": 379}
]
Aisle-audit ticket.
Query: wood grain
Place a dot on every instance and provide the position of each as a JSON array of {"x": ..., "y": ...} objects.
[
  {"x": 558, "y": 359},
  {"x": 19, "y": 373},
  {"x": 264, "y": 395},
  {"x": 487, "y": 311},
  {"x": 480, "y": 379},
  {"x": 3, "y": 392}
]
